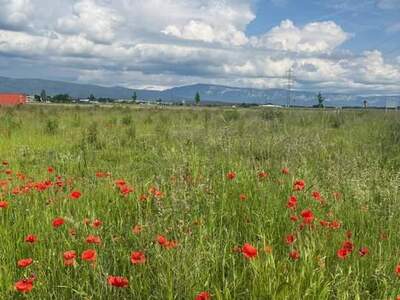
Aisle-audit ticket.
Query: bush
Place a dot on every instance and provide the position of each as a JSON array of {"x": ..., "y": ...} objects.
[
  {"x": 51, "y": 126},
  {"x": 271, "y": 114}
]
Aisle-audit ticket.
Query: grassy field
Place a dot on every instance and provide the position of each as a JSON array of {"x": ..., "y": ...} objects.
[{"x": 187, "y": 189}]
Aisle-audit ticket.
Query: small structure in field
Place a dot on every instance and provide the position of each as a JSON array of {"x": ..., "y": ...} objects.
[
  {"x": 271, "y": 105},
  {"x": 12, "y": 99}
]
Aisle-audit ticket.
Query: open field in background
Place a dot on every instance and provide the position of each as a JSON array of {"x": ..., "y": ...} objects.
[{"x": 180, "y": 164}]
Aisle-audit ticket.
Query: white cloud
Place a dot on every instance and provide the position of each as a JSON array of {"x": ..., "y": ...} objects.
[
  {"x": 371, "y": 68},
  {"x": 98, "y": 23},
  {"x": 317, "y": 37},
  {"x": 261, "y": 66},
  {"x": 213, "y": 21},
  {"x": 199, "y": 31},
  {"x": 15, "y": 14}
]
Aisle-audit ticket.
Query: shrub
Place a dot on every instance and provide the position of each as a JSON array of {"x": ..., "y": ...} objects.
[{"x": 51, "y": 126}]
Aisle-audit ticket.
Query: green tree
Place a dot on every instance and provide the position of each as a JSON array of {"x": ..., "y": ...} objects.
[
  {"x": 197, "y": 98},
  {"x": 321, "y": 100},
  {"x": 134, "y": 97},
  {"x": 61, "y": 98},
  {"x": 43, "y": 96},
  {"x": 92, "y": 97}
]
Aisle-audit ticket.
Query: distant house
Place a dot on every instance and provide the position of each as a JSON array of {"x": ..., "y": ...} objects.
[
  {"x": 12, "y": 99},
  {"x": 271, "y": 105},
  {"x": 30, "y": 98}
]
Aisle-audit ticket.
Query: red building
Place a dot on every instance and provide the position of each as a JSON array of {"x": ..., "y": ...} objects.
[{"x": 12, "y": 99}]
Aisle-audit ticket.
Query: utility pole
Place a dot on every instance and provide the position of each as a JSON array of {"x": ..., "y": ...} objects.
[{"x": 289, "y": 86}]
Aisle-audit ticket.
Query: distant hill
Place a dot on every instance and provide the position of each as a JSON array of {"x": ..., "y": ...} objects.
[
  {"x": 35, "y": 86},
  {"x": 208, "y": 92}
]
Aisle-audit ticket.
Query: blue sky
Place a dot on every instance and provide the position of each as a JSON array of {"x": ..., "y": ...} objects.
[
  {"x": 373, "y": 25},
  {"x": 337, "y": 46}
]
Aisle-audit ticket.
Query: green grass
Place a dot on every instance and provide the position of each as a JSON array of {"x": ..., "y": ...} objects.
[{"x": 186, "y": 154}]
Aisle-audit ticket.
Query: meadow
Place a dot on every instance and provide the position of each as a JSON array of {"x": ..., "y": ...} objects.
[{"x": 199, "y": 203}]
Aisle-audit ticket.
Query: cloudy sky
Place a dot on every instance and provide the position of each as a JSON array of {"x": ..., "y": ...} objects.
[{"x": 331, "y": 45}]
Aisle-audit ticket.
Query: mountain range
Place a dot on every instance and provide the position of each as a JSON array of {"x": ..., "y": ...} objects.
[{"x": 208, "y": 93}]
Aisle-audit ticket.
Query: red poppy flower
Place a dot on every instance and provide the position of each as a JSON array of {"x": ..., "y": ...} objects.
[
  {"x": 89, "y": 255},
  {"x": 242, "y": 197},
  {"x": 324, "y": 223},
  {"x": 231, "y": 175},
  {"x": 23, "y": 263},
  {"x": 68, "y": 255},
  {"x": 161, "y": 240},
  {"x": 57, "y": 222},
  {"x": 294, "y": 218},
  {"x": 21, "y": 176},
  {"x": 171, "y": 244},
  {"x": 5, "y": 163},
  {"x": 342, "y": 253},
  {"x": 50, "y": 169},
  {"x": 75, "y": 195},
  {"x": 348, "y": 245},
  {"x": 249, "y": 251},
  {"x": 3, "y": 204},
  {"x": 203, "y": 296},
  {"x": 285, "y": 171},
  {"x": 397, "y": 270},
  {"x": 299, "y": 185},
  {"x": 31, "y": 238},
  {"x": 118, "y": 281},
  {"x": 262, "y": 175},
  {"x": 97, "y": 223},
  {"x": 102, "y": 174},
  {"x": 158, "y": 194},
  {"x": 308, "y": 216},
  {"x": 69, "y": 262},
  {"x": 335, "y": 224},
  {"x": 126, "y": 190},
  {"x": 137, "y": 258},
  {"x": 93, "y": 239},
  {"x": 292, "y": 202},
  {"x": 294, "y": 255},
  {"x": 316, "y": 195},
  {"x": 120, "y": 182},
  {"x": 24, "y": 285},
  {"x": 290, "y": 239},
  {"x": 363, "y": 251}
]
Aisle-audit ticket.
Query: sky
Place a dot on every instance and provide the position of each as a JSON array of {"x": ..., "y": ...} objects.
[{"x": 343, "y": 46}]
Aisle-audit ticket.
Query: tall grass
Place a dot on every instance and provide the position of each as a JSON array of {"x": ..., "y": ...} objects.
[{"x": 186, "y": 154}]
